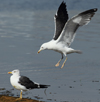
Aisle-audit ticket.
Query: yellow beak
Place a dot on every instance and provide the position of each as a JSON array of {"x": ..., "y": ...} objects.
[
  {"x": 9, "y": 72},
  {"x": 39, "y": 51}
]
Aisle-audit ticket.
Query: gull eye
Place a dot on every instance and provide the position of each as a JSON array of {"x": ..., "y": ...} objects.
[{"x": 14, "y": 71}]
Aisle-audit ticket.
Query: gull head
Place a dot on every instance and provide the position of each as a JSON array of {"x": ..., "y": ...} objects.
[
  {"x": 17, "y": 72},
  {"x": 43, "y": 47}
]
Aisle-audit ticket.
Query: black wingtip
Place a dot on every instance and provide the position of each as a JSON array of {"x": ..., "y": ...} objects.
[
  {"x": 89, "y": 11},
  {"x": 95, "y": 9},
  {"x": 62, "y": 10},
  {"x": 92, "y": 10},
  {"x": 63, "y": 3},
  {"x": 44, "y": 86}
]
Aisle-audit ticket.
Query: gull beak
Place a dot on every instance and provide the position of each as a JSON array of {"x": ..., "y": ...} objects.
[
  {"x": 9, "y": 72},
  {"x": 39, "y": 51}
]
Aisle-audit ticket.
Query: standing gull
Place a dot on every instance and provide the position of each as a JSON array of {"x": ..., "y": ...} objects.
[
  {"x": 23, "y": 83},
  {"x": 65, "y": 31}
]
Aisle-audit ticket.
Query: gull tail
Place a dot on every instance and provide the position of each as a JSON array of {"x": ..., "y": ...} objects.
[
  {"x": 37, "y": 85},
  {"x": 78, "y": 51},
  {"x": 74, "y": 51}
]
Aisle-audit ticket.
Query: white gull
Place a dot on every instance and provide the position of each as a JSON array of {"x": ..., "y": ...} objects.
[{"x": 65, "y": 31}]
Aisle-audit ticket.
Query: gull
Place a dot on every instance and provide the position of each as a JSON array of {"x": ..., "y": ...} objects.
[
  {"x": 65, "y": 31},
  {"x": 23, "y": 83}
]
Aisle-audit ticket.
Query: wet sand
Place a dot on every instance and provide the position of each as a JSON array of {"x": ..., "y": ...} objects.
[
  {"x": 8, "y": 96},
  {"x": 4, "y": 98}
]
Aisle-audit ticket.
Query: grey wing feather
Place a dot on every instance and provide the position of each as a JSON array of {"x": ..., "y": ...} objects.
[{"x": 68, "y": 33}]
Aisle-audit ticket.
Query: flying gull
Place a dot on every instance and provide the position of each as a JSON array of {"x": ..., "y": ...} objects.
[
  {"x": 23, "y": 83},
  {"x": 65, "y": 31}
]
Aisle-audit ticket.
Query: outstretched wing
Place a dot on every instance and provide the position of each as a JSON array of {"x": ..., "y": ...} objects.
[
  {"x": 68, "y": 33},
  {"x": 60, "y": 19}
]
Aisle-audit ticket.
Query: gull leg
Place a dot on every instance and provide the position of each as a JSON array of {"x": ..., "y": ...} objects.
[
  {"x": 64, "y": 63},
  {"x": 59, "y": 61},
  {"x": 20, "y": 96}
]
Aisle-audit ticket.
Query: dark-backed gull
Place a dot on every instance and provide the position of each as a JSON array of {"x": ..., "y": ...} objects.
[
  {"x": 23, "y": 83},
  {"x": 65, "y": 31}
]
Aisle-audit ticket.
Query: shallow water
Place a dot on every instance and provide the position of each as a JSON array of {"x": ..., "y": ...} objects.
[{"x": 21, "y": 34}]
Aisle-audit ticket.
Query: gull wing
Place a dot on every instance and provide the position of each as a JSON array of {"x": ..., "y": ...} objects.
[
  {"x": 60, "y": 19},
  {"x": 68, "y": 33},
  {"x": 27, "y": 82}
]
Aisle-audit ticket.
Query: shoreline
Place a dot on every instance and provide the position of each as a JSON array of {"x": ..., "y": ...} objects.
[{"x": 5, "y": 98}]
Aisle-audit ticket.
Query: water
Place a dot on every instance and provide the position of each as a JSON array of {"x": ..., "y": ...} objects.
[{"x": 24, "y": 29}]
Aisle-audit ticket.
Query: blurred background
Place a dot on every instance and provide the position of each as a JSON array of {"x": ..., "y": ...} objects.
[{"x": 24, "y": 26}]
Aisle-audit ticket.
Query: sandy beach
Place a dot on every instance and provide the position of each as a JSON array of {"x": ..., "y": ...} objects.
[{"x": 4, "y": 98}]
